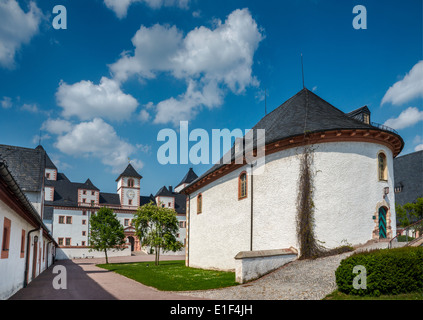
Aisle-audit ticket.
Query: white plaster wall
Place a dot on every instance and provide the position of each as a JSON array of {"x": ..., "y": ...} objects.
[
  {"x": 223, "y": 228},
  {"x": 53, "y": 174},
  {"x": 12, "y": 269},
  {"x": 84, "y": 253},
  {"x": 166, "y": 200},
  {"x": 74, "y": 230},
  {"x": 347, "y": 193}
]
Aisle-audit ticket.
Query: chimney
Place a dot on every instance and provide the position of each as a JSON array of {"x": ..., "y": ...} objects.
[{"x": 171, "y": 189}]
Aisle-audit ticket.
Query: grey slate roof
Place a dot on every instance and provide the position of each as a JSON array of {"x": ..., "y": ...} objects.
[
  {"x": 26, "y": 165},
  {"x": 189, "y": 177},
  {"x": 109, "y": 198},
  {"x": 408, "y": 173},
  {"x": 129, "y": 172},
  {"x": 305, "y": 112},
  {"x": 164, "y": 192}
]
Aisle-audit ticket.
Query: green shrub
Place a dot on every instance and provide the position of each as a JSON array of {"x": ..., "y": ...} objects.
[
  {"x": 405, "y": 239},
  {"x": 389, "y": 271}
]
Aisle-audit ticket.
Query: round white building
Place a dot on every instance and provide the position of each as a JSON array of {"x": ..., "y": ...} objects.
[{"x": 231, "y": 211}]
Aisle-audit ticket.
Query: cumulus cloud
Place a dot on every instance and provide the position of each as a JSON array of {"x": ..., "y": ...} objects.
[
  {"x": 407, "y": 118},
  {"x": 205, "y": 59},
  {"x": 407, "y": 89},
  {"x": 87, "y": 100},
  {"x": 16, "y": 28},
  {"x": 98, "y": 139},
  {"x": 57, "y": 126},
  {"x": 120, "y": 7}
]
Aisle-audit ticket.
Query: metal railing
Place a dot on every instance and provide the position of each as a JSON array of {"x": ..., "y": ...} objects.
[
  {"x": 383, "y": 127},
  {"x": 415, "y": 227}
]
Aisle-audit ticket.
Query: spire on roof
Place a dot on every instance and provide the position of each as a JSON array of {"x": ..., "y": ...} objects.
[
  {"x": 129, "y": 172},
  {"x": 164, "y": 192},
  {"x": 189, "y": 177}
]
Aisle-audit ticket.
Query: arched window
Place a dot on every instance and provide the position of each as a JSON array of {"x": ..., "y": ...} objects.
[
  {"x": 199, "y": 203},
  {"x": 130, "y": 183},
  {"x": 242, "y": 186},
  {"x": 382, "y": 167}
]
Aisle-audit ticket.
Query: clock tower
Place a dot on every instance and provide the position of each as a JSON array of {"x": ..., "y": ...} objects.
[{"x": 128, "y": 187}]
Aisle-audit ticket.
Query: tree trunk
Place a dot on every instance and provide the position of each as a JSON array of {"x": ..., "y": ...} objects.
[{"x": 105, "y": 252}]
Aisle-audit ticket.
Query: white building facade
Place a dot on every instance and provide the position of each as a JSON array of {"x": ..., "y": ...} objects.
[{"x": 232, "y": 211}]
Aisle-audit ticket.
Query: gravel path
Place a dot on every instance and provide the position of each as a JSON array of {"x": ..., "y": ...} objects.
[{"x": 298, "y": 280}]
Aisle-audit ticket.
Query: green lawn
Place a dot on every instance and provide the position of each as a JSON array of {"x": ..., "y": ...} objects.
[
  {"x": 337, "y": 295},
  {"x": 173, "y": 275}
]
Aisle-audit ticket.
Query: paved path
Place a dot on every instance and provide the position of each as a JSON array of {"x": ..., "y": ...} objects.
[
  {"x": 298, "y": 280},
  {"x": 85, "y": 281}
]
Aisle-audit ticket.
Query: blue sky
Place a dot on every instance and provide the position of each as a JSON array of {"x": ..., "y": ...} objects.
[{"x": 101, "y": 90}]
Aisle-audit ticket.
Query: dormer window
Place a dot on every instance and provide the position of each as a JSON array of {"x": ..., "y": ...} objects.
[{"x": 366, "y": 118}]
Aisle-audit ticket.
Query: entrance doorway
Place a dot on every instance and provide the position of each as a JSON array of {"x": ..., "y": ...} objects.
[
  {"x": 132, "y": 242},
  {"x": 382, "y": 223}
]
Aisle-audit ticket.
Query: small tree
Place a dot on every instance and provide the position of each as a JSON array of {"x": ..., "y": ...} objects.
[
  {"x": 157, "y": 227},
  {"x": 106, "y": 232},
  {"x": 410, "y": 212}
]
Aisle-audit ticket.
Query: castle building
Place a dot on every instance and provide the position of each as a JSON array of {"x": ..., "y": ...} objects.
[
  {"x": 65, "y": 207},
  {"x": 232, "y": 211}
]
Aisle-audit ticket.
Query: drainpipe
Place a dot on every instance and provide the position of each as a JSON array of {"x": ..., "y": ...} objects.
[
  {"x": 252, "y": 208},
  {"x": 189, "y": 227},
  {"x": 27, "y": 256}
]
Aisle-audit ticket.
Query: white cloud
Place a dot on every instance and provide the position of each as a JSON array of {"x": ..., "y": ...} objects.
[
  {"x": 6, "y": 103},
  {"x": 187, "y": 105},
  {"x": 99, "y": 140},
  {"x": 58, "y": 126},
  {"x": 407, "y": 118},
  {"x": 120, "y": 7},
  {"x": 419, "y": 147},
  {"x": 30, "y": 108},
  {"x": 206, "y": 59},
  {"x": 87, "y": 100},
  {"x": 37, "y": 139},
  {"x": 410, "y": 87},
  {"x": 16, "y": 28}
]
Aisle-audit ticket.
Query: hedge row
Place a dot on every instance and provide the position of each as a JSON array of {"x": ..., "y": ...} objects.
[{"x": 389, "y": 271}]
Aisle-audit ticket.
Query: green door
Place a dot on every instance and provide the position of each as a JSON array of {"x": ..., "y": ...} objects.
[{"x": 382, "y": 223}]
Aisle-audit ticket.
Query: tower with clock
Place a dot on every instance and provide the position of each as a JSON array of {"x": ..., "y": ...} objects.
[{"x": 128, "y": 187}]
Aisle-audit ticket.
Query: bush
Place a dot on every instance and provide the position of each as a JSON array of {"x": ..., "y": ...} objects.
[{"x": 389, "y": 271}]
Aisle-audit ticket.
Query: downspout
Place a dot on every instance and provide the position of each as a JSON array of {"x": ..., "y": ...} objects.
[
  {"x": 189, "y": 227},
  {"x": 27, "y": 257},
  {"x": 252, "y": 208}
]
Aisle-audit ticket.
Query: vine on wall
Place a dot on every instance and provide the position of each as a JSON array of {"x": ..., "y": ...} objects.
[
  {"x": 309, "y": 245},
  {"x": 309, "y": 248}
]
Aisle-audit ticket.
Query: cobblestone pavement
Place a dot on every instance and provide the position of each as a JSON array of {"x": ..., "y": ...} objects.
[{"x": 298, "y": 280}]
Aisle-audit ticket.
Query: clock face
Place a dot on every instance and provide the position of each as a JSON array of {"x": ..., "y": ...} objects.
[{"x": 130, "y": 194}]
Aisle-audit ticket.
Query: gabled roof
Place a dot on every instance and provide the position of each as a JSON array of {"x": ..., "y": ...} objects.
[
  {"x": 88, "y": 185},
  {"x": 304, "y": 113},
  {"x": 164, "y": 192},
  {"x": 26, "y": 165},
  {"x": 358, "y": 111},
  {"x": 129, "y": 172},
  {"x": 189, "y": 177}
]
